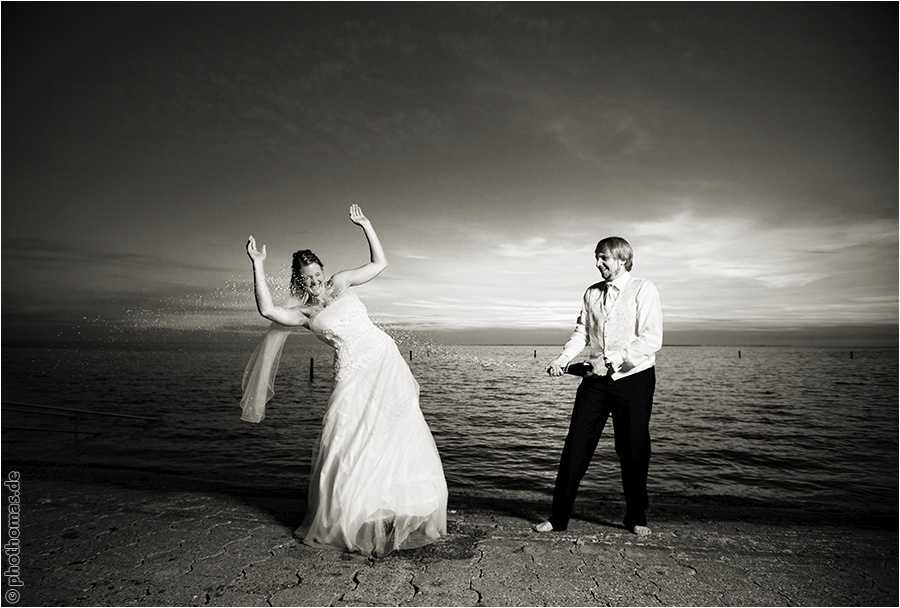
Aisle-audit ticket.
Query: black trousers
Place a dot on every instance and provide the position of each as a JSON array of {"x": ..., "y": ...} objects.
[{"x": 629, "y": 401}]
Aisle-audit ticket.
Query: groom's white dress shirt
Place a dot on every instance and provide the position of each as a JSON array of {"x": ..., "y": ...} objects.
[{"x": 622, "y": 323}]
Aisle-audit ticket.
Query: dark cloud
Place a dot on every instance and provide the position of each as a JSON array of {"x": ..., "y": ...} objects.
[{"x": 144, "y": 141}]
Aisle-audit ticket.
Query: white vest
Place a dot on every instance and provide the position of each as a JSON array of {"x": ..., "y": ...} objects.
[{"x": 618, "y": 324}]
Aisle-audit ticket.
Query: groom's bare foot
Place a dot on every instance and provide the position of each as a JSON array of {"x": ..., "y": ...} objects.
[
  {"x": 641, "y": 530},
  {"x": 544, "y": 526}
]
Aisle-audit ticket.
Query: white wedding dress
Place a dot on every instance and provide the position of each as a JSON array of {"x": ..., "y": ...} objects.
[{"x": 377, "y": 483}]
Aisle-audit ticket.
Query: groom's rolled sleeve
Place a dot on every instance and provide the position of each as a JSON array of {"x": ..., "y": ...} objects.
[
  {"x": 577, "y": 341},
  {"x": 579, "y": 338}
]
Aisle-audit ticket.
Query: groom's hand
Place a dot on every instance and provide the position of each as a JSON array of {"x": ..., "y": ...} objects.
[{"x": 556, "y": 368}]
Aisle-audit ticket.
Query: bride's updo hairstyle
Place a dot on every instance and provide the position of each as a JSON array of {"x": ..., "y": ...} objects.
[{"x": 302, "y": 258}]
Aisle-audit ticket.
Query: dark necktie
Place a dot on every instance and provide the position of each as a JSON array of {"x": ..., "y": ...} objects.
[{"x": 609, "y": 295}]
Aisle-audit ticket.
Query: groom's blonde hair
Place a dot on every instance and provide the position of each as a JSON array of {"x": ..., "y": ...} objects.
[{"x": 618, "y": 248}]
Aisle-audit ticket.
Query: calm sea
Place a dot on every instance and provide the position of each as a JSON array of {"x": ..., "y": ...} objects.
[{"x": 811, "y": 426}]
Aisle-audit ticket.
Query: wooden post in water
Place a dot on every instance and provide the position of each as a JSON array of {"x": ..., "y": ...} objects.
[
  {"x": 311, "y": 375},
  {"x": 851, "y": 354},
  {"x": 535, "y": 353},
  {"x": 739, "y": 354},
  {"x": 410, "y": 355}
]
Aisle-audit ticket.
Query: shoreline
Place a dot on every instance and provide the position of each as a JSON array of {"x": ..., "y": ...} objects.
[
  {"x": 664, "y": 506},
  {"x": 110, "y": 536}
]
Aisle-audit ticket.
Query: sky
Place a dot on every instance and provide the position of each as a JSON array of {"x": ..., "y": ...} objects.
[{"x": 747, "y": 151}]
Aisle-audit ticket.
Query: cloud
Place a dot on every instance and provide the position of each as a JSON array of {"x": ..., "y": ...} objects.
[
  {"x": 528, "y": 247},
  {"x": 63, "y": 257},
  {"x": 749, "y": 167}
]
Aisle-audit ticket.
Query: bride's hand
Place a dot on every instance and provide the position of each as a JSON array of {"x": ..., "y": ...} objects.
[
  {"x": 256, "y": 256},
  {"x": 356, "y": 215}
]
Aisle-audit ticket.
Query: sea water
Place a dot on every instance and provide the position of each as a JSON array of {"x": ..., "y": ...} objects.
[{"x": 771, "y": 424}]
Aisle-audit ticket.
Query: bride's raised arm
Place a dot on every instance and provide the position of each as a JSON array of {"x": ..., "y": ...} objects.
[
  {"x": 264, "y": 303},
  {"x": 377, "y": 259}
]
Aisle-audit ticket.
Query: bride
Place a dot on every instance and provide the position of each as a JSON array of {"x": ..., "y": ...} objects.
[{"x": 377, "y": 483}]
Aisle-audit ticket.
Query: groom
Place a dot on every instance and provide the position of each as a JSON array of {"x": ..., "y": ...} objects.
[{"x": 621, "y": 321}]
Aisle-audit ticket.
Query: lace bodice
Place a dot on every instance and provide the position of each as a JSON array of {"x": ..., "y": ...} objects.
[{"x": 345, "y": 325}]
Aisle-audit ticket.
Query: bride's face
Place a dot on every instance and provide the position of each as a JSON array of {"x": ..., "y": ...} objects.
[{"x": 313, "y": 279}]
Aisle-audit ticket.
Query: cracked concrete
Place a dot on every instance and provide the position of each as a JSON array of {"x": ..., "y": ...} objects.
[{"x": 89, "y": 538}]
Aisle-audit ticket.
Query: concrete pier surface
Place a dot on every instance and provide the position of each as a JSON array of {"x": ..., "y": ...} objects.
[{"x": 109, "y": 537}]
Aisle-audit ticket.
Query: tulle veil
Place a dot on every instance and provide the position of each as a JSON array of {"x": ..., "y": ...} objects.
[{"x": 258, "y": 382}]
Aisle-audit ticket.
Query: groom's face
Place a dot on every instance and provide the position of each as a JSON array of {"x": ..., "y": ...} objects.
[{"x": 610, "y": 267}]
